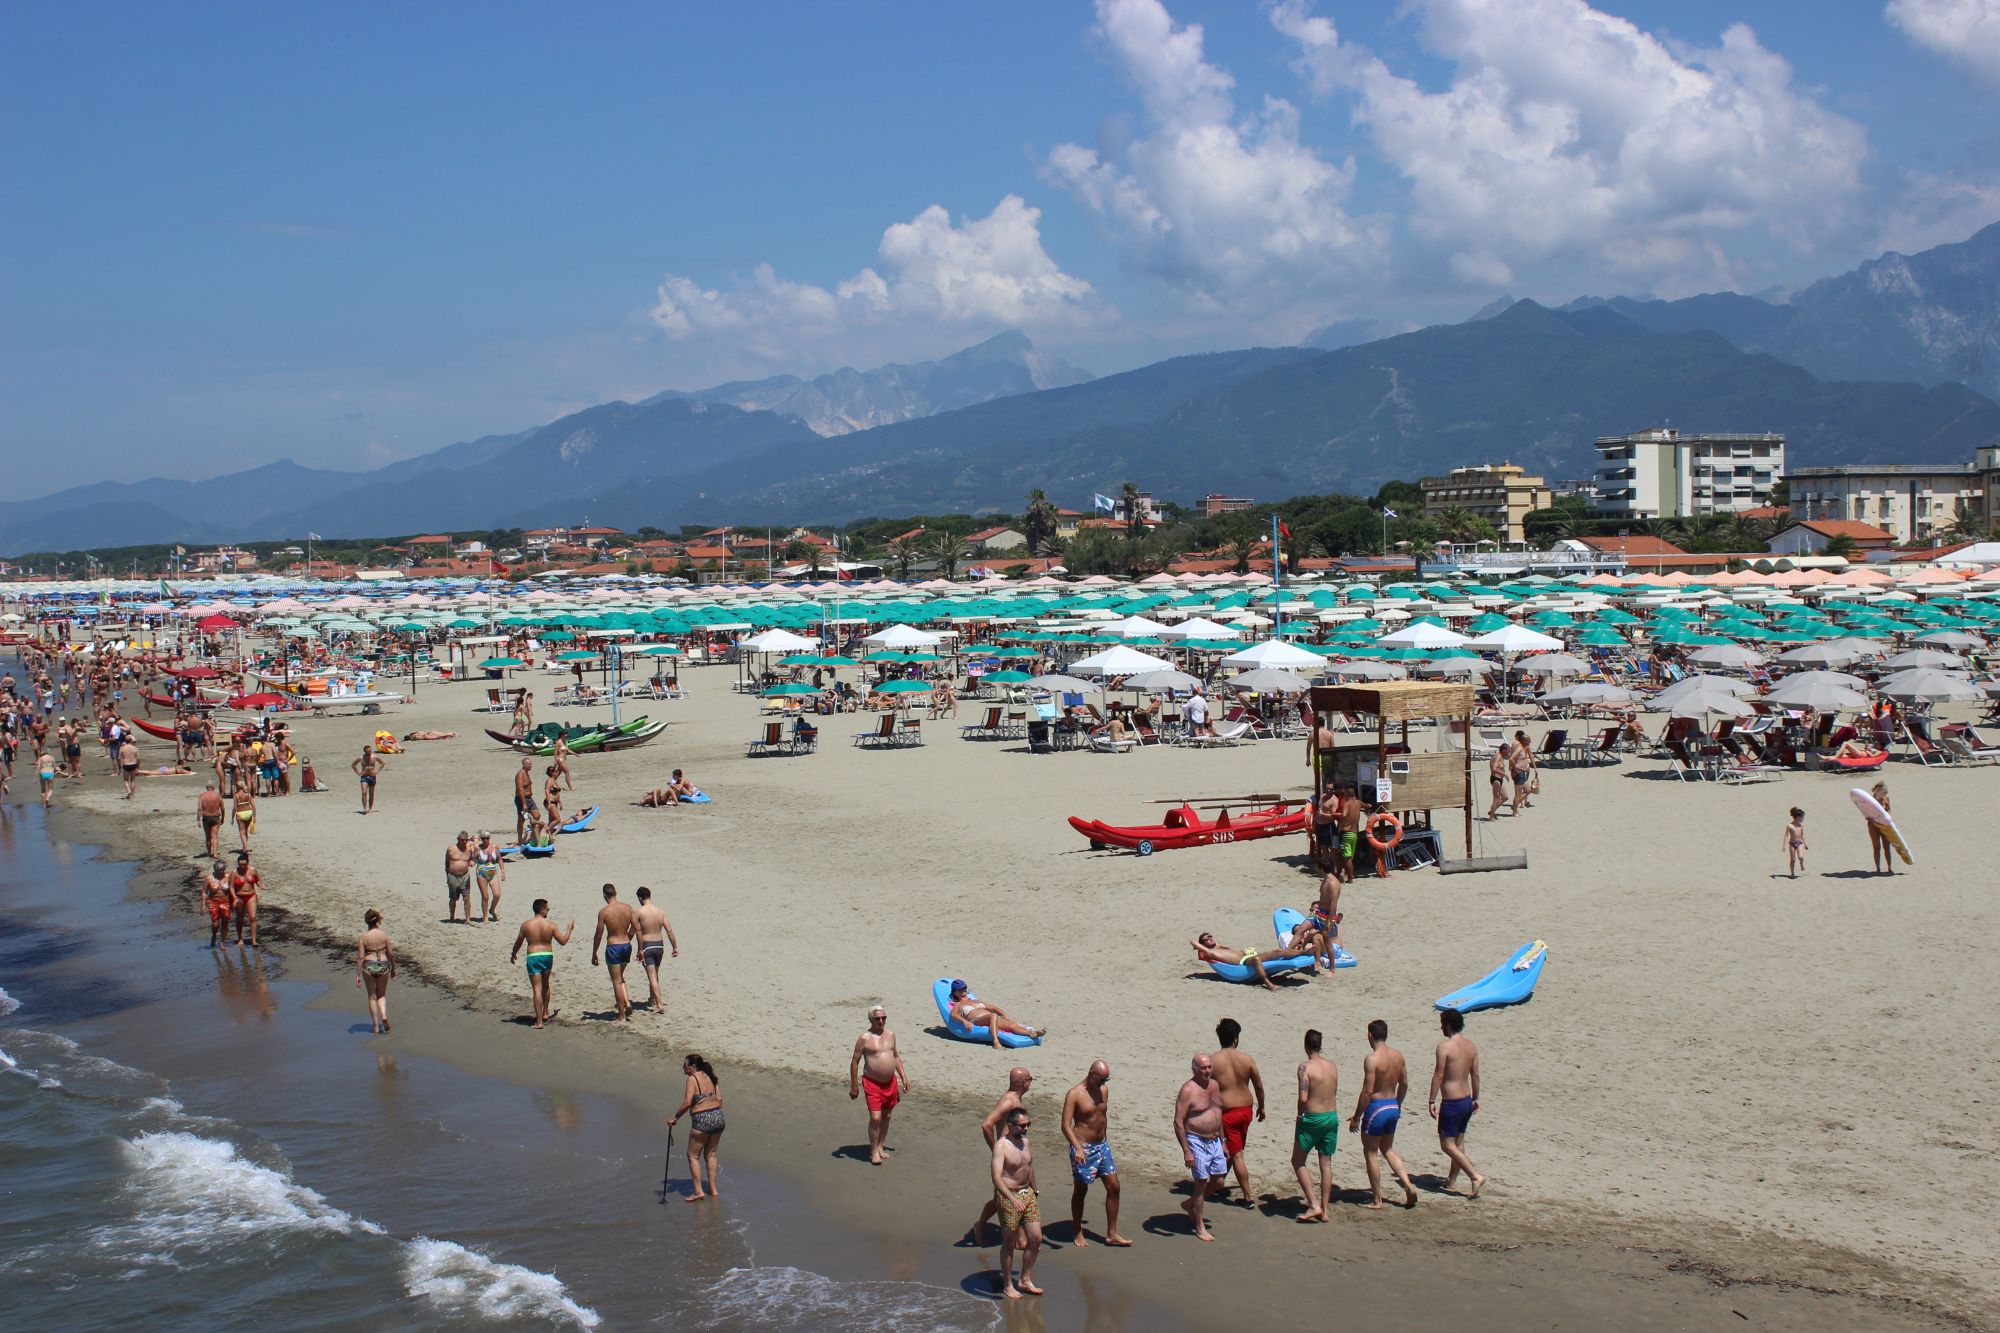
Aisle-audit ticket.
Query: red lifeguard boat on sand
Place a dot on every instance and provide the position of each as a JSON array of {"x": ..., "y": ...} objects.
[{"x": 1185, "y": 827}]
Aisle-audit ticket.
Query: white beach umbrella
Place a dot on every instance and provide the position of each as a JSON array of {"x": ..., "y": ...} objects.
[
  {"x": 1591, "y": 693},
  {"x": 1119, "y": 661},
  {"x": 1169, "y": 679},
  {"x": 1135, "y": 627},
  {"x": 1711, "y": 703},
  {"x": 779, "y": 641},
  {"x": 1457, "y": 666},
  {"x": 1680, "y": 689},
  {"x": 1364, "y": 669},
  {"x": 1822, "y": 696},
  {"x": 1923, "y": 685},
  {"x": 1725, "y": 655},
  {"x": 1925, "y": 657},
  {"x": 1512, "y": 639},
  {"x": 1851, "y": 681},
  {"x": 1061, "y": 684},
  {"x": 1553, "y": 664},
  {"x": 1269, "y": 680},
  {"x": 1425, "y": 635},
  {"x": 903, "y": 636},
  {"x": 1200, "y": 627},
  {"x": 1949, "y": 638},
  {"x": 1275, "y": 653}
]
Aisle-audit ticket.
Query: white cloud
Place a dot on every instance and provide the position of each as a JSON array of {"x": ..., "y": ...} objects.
[
  {"x": 1573, "y": 134},
  {"x": 1230, "y": 209},
  {"x": 932, "y": 277},
  {"x": 1966, "y": 31}
]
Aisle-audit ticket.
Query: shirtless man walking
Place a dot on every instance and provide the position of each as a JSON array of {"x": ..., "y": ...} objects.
[
  {"x": 616, "y": 924},
  {"x": 368, "y": 768},
  {"x": 1455, "y": 1096},
  {"x": 878, "y": 1066},
  {"x": 1498, "y": 770},
  {"x": 1019, "y": 1206},
  {"x": 1350, "y": 832},
  {"x": 655, "y": 934},
  {"x": 458, "y": 877},
  {"x": 1317, "y": 1128},
  {"x": 993, "y": 1126},
  {"x": 208, "y": 813},
  {"x": 1239, "y": 1084},
  {"x": 524, "y": 799},
  {"x": 128, "y": 765},
  {"x": 1198, "y": 1126},
  {"x": 540, "y": 936},
  {"x": 1385, "y": 1080},
  {"x": 1086, "y": 1126}
]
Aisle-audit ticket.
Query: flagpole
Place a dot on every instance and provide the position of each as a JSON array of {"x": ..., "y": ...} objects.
[{"x": 1277, "y": 581}]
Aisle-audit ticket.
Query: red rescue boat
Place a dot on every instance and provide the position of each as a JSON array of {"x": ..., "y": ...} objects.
[
  {"x": 165, "y": 733},
  {"x": 1185, "y": 827}
]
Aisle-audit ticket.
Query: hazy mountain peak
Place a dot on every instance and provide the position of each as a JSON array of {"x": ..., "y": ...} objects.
[{"x": 847, "y": 399}]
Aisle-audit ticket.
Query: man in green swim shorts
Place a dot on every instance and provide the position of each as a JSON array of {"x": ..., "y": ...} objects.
[
  {"x": 539, "y": 936},
  {"x": 1318, "y": 1126}
]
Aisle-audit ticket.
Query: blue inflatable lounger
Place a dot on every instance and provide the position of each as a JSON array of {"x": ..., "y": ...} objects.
[
  {"x": 941, "y": 992},
  {"x": 1286, "y": 920},
  {"x": 1510, "y": 983},
  {"x": 579, "y": 822},
  {"x": 1273, "y": 967}
]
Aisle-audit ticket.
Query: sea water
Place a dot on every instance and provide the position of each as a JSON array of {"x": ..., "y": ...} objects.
[{"x": 185, "y": 1144}]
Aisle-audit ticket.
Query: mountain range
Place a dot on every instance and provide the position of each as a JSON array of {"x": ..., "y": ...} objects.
[
  {"x": 850, "y": 400},
  {"x": 977, "y": 430}
]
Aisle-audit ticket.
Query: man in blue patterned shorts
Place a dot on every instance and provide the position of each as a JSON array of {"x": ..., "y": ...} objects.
[{"x": 1086, "y": 1126}]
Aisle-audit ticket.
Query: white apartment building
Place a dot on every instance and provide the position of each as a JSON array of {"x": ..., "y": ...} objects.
[
  {"x": 1666, "y": 473},
  {"x": 1914, "y": 502}
]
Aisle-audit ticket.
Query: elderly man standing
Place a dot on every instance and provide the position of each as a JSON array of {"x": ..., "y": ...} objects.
[
  {"x": 458, "y": 877},
  {"x": 1198, "y": 1126},
  {"x": 878, "y": 1066}
]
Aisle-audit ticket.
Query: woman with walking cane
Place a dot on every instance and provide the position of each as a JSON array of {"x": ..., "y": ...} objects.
[{"x": 702, "y": 1103}]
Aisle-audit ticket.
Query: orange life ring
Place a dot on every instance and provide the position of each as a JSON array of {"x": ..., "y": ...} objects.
[{"x": 1368, "y": 831}]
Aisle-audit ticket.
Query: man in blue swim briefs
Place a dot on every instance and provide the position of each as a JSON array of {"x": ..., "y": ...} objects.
[
  {"x": 616, "y": 925},
  {"x": 539, "y": 936},
  {"x": 1455, "y": 1096},
  {"x": 1385, "y": 1081}
]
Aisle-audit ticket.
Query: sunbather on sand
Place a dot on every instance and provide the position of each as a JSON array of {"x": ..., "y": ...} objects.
[
  {"x": 1206, "y": 949},
  {"x": 978, "y": 1013},
  {"x": 429, "y": 735},
  {"x": 1115, "y": 732}
]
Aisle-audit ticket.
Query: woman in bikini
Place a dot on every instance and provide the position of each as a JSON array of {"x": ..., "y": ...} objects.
[
  {"x": 45, "y": 769},
  {"x": 703, "y": 1103},
  {"x": 562, "y": 754},
  {"x": 489, "y": 870},
  {"x": 245, "y": 802},
  {"x": 374, "y": 967},
  {"x": 243, "y": 884}
]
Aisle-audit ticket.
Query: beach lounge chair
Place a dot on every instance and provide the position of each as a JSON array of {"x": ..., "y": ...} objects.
[
  {"x": 1040, "y": 739},
  {"x": 986, "y": 730},
  {"x": 1552, "y": 745},
  {"x": 884, "y": 733},
  {"x": 1959, "y": 752},
  {"x": 1928, "y": 750},
  {"x": 911, "y": 732},
  {"x": 1489, "y": 741},
  {"x": 771, "y": 742},
  {"x": 1227, "y": 733},
  {"x": 805, "y": 737},
  {"x": 1015, "y": 724},
  {"x": 1680, "y": 761},
  {"x": 1253, "y": 723},
  {"x": 1102, "y": 742},
  {"x": 496, "y": 702}
]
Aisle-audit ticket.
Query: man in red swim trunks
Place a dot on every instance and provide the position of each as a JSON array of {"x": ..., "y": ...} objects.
[
  {"x": 877, "y": 1066},
  {"x": 1241, "y": 1086}
]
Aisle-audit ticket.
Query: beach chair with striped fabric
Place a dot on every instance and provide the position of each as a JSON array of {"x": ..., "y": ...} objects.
[
  {"x": 771, "y": 742},
  {"x": 1959, "y": 752},
  {"x": 986, "y": 730},
  {"x": 1928, "y": 750},
  {"x": 884, "y": 733},
  {"x": 911, "y": 732}
]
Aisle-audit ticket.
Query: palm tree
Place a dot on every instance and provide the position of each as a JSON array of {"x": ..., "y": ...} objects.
[
  {"x": 1456, "y": 523},
  {"x": 948, "y": 548},
  {"x": 1039, "y": 524},
  {"x": 1242, "y": 545},
  {"x": 1135, "y": 522},
  {"x": 906, "y": 550},
  {"x": 1965, "y": 525}
]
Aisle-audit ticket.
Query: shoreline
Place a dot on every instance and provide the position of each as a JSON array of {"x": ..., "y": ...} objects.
[{"x": 1711, "y": 1260}]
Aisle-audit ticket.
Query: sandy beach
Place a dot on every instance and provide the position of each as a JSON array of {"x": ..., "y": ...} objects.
[{"x": 1769, "y": 1076}]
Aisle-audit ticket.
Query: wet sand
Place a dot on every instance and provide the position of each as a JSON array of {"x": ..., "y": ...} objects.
[{"x": 1687, "y": 1099}]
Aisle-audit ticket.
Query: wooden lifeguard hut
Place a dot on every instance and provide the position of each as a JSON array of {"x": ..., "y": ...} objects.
[{"x": 1396, "y": 769}]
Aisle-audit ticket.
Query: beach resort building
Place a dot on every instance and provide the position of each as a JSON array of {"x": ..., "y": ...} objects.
[
  {"x": 1913, "y": 501},
  {"x": 1667, "y": 473},
  {"x": 1814, "y": 535},
  {"x": 987, "y": 541},
  {"x": 1501, "y": 493},
  {"x": 1214, "y": 506}
]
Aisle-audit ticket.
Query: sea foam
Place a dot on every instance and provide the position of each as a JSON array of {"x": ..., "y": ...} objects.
[
  {"x": 747, "y": 1297},
  {"x": 194, "y": 1193},
  {"x": 460, "y": 1282},
  {"x": 8, "y": 1004}
]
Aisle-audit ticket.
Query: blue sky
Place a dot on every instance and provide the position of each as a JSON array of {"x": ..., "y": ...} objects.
[{"x": 346, "y": 234}]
